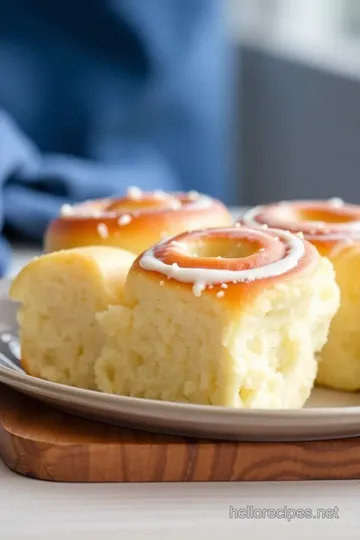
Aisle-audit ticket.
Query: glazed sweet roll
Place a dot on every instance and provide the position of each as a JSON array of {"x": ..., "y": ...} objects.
[
  {"x": 134, "y": 222},
  {"x": 227, "y": 316},
  {"x": 59, "y": 295},
  {"x": 333, "y": 227}
]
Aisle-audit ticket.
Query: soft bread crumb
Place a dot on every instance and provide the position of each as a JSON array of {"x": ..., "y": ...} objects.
[
  {"x": 339, "y": 366},
  {"x": 60, "y": 294},
  {"x": 173, "y": 345}
]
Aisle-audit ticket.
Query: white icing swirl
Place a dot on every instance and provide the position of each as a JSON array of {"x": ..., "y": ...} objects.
[
  {"x": 249, "y": 218},
  {"x": 210, "y": 276},
  {"x": 322, "y": 231}
]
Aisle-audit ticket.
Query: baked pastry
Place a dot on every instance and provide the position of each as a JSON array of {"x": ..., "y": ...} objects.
[
  {"x": 333, "y": 227},
  {"x": 134, "y": 222},
  {"x": 60, "y": 294},
  {"x": 227, "y": 316}
]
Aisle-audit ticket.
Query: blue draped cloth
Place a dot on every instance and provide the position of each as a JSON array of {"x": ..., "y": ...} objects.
[{"x": 99, "y": 95}]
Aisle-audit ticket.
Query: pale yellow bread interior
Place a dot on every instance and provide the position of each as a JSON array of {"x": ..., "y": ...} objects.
[
  {"x": 332, "y": 226},
  {"x": 339, "y": 366},
  {"x": 169, "y": 344},
  {"x": 60, "y": 293}
]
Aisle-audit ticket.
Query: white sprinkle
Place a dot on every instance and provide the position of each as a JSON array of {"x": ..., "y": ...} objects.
[
  {"x": 224, "y": 286},
  {"x": 162, "y": 282},
  {"x": 238, "y": 225},
  {"x": 124, "y": 220},
  {"x": 300, "y": 234},
  {"x": 103, "y": 230},
  {"x": 262, "y": 249},
  {"x": 134, "y": 192},
  {"x": 264, "y": 226},
  {"x": 336, "y": 202},
  {"x": 193, "y": 195},
  {"x": 174, "y": 204},
  {"x": 66, "y": 210},
  {"x": 159, "y": 194},
  {"x": 175, "y": 266},
  {"x": 234, "y": 281},
  {"x": 198, "y": 288},
  {"x": 96, "y": 214},
  {"x": 220, "y": 294},
  {"x": 219, "y": 257}
]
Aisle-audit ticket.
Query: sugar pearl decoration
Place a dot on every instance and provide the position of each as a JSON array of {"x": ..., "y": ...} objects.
[
  {"x": 124, "y": 220},
  {"x": 198, "y": 288},
  {"x": 134, "y": 192},
  {"x": 103, "y": 230},
  {"x": 336, "y": 202},
  {"x": 66, "y": 210},
  {"x": 159, "y": 194}
]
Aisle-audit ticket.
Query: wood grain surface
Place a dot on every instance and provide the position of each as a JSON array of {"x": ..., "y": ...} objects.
[{"x": 41, "y": 442}]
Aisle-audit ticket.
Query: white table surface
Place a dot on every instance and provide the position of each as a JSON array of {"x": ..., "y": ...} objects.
[{"x": 32, "y": 509}]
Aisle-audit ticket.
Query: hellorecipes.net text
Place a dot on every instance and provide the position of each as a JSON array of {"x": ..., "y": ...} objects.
[{"x": 284, "y": 513}]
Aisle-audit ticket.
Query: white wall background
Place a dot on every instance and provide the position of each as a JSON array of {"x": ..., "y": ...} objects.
[{"x": 325, "y": 33}]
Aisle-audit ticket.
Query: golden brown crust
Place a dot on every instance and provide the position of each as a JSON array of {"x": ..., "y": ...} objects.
[
  {"x": 134, "y": 223},
  {"x": 111, "y": 265}
]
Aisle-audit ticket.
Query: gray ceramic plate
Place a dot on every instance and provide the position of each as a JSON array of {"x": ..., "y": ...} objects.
[{"x": 327, "y": 414}]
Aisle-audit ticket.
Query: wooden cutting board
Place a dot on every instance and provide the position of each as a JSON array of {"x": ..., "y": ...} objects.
[{"x": 41, "y": 442}]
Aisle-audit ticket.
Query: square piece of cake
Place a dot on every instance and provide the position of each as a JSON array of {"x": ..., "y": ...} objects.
[{"x": 230, "y": 317}]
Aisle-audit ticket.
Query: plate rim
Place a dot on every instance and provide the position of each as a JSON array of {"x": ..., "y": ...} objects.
[{"x": 53, "y": 389}]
